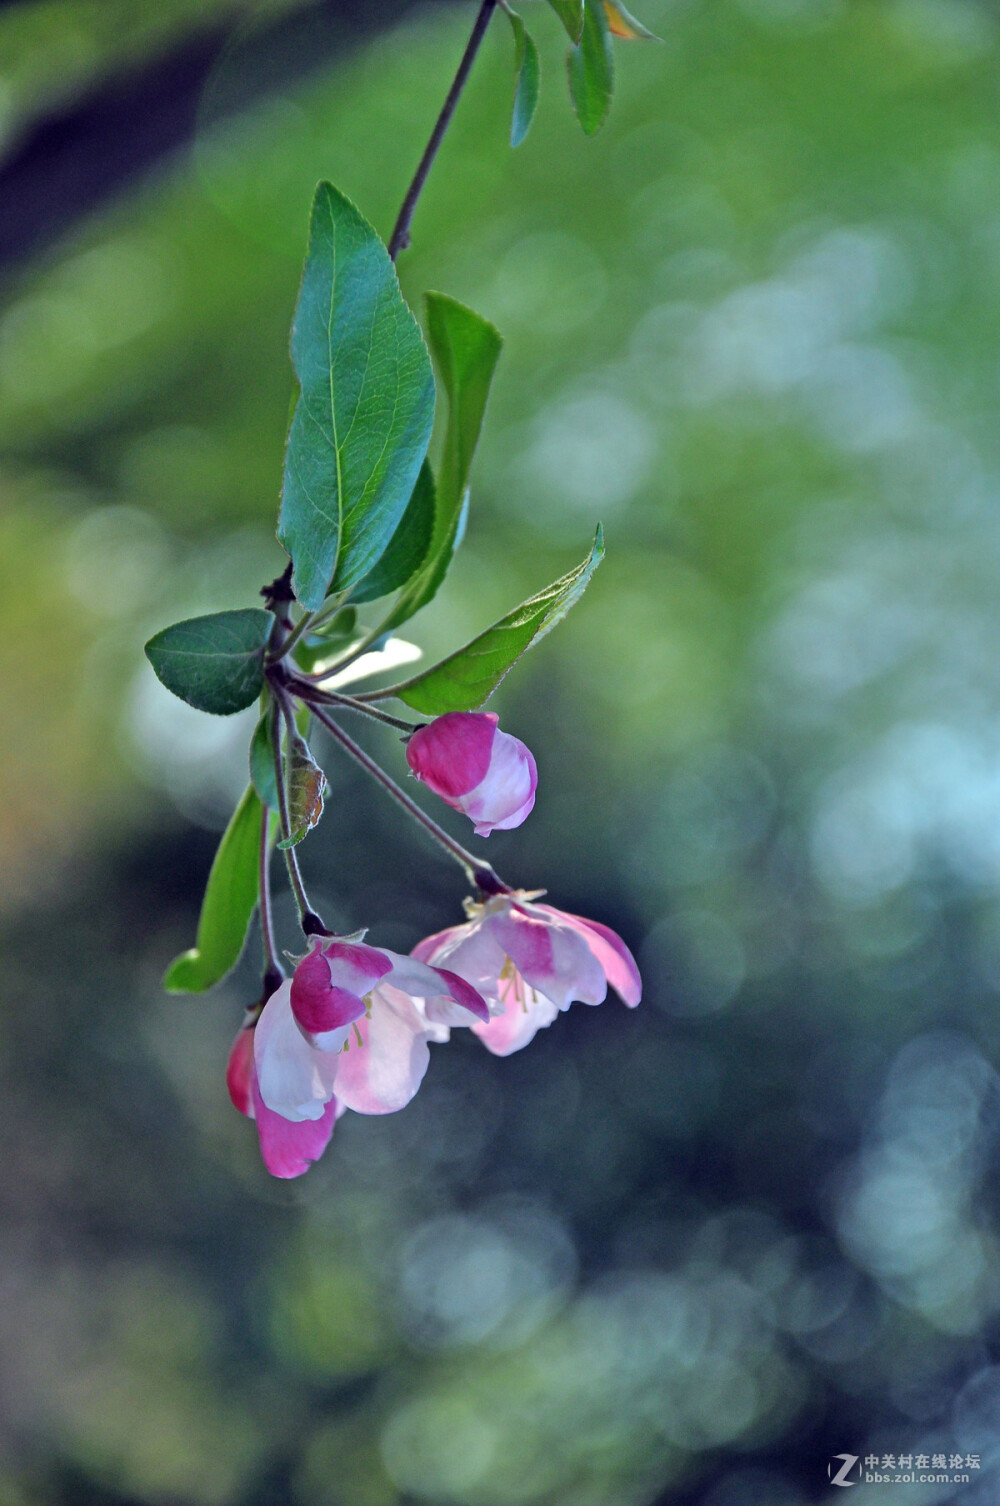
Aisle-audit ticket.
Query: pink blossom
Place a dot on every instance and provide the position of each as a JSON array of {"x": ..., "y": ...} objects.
[
  {"x": 485, "y": 773},
  {"x": 530, "y": 961},
  {"x": 288, "y": 1147},
  {"x": 330, "y": 984},
  {"x": 295, "y": 1081}
]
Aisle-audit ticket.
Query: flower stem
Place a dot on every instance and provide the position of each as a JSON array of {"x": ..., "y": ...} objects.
[
  {"x": 479, "y": 873},
  {"x": 273, "y": 971},
  {"x": 288, "y": 643},
  {"x": 313, "y": 696},
  {"x": 400, "y": 238},
  {"x": 310, "y": 922}
]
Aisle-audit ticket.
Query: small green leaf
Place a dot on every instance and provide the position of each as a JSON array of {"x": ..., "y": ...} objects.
[
  {"x": 363, "y": 420},
  {"x": 330, "y": 638},
  {"x": 464, "y": 680},
  {"x": 262, "y": 775},
  {"x": 529, "y": 70},
  {"x": 337, "y": 628},
  {"x": 408, "y": 546},
  {"x": 621, "y": 23},
  {"x": 466, "y": 348},
  {"x": 214, "y": 663},
  {"x": 570, "y": 13},
  {"x": 592, "y": 69},
  {"x": 305, "y": 783},
  {"x": 230, "y": 898}
]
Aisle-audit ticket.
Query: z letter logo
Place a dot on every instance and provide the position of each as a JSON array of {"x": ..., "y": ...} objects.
[{"x": 840, "y": 1478}]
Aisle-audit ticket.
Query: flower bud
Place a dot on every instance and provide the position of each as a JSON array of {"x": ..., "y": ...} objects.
[
  {"x": 486, "y": 774},
  {"x": 239, "y": 1071}
]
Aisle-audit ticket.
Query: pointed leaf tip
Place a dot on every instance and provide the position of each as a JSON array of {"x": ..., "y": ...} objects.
[
  {"x": 529, "y": 69},
  {"x": 622, "y": 24},
  {"x": 592, "y": 69},
  {"x": 466, "y": 679}
]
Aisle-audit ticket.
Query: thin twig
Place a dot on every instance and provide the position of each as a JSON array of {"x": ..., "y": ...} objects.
[
  {"x": 313, "y": 695},
  {"x": 400, "y": 238},
  {"x": 273, "y": 971},
  {"x": 480, "y": 873}
]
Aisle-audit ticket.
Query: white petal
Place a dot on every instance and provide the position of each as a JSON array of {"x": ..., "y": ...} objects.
[{"x": 295, "y": 1079}]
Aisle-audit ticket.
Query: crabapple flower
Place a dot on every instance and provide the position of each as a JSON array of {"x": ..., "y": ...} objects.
[
  {"x": 322, "y": 1046},
  {"x": 288, "y": 1148},
  {"x": 486, "y": 774},
  {"x": 531, "y": 961},
  {"x": 329, "y": 987}
]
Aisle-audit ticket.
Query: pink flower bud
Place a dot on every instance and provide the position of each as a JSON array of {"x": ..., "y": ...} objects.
[
  {"x": 477, "y": 769},
  {"x": 239, "y": 1071}
]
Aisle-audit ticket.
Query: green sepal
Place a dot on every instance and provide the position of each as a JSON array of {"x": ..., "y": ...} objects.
[
  {"x": 226, "y": 909},
  {"x": 305, "y": 783},
  {"x": 366, "y": 406},
  {"x": 465, "y": 679},
  {"x": 592, "y": 69},
  {"x": 466, "y": 348},
  {"x": 529, "y": 72},
  {"x": 215, "y": 663}
]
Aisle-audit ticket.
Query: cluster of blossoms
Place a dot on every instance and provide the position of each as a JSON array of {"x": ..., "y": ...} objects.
[{"x": 351, "y": 1028}]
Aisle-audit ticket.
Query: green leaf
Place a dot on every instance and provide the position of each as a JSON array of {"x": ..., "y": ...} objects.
[
  {"x": 262, "y": 775},
  {"x": 464, "y": 680},
  {"x": 592, "y": 69},
  {"x": 408, "y": 546},
  {"x": 466, "y": 348},
  {"x": 215, "y": 663},
  {"x": 305, "y": 782},
  {"x": 230, "y": 898},
  {"x": 621, "y": 23},
  {"x": 570, "y": 13},
  {"x": 330, "y": 638},
  {"x": 529, "y": 70},
  {"x": 366, "y": 407},
  {"x": 338, "y": 628}
]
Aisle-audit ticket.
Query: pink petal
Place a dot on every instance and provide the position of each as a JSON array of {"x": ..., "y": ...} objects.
[
  {"x": 457, "y": 992},
  {"x": 552, "y": 958},
  {"x": 524, "y": 1013},
  {"x": 295, "y": 1079},
  {"x": 611, "y": 952},
  {"x": 505, "y": 796},
  {"x": 329, "y": 982},
  {"x": 425, "y": 950},
  {"x": 381, "y": 1073},
  {"x": 452, "y": 754},
  {"x": 239, "y": 1071},
  {"x": 289, "y": 1148},
  {"x": 473, "y": 953},
  {"x": 446, "y": 997},
  {"x": 354, "y": 966}
]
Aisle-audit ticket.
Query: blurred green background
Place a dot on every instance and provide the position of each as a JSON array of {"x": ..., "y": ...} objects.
[{"x": 682, "y": 1255}]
